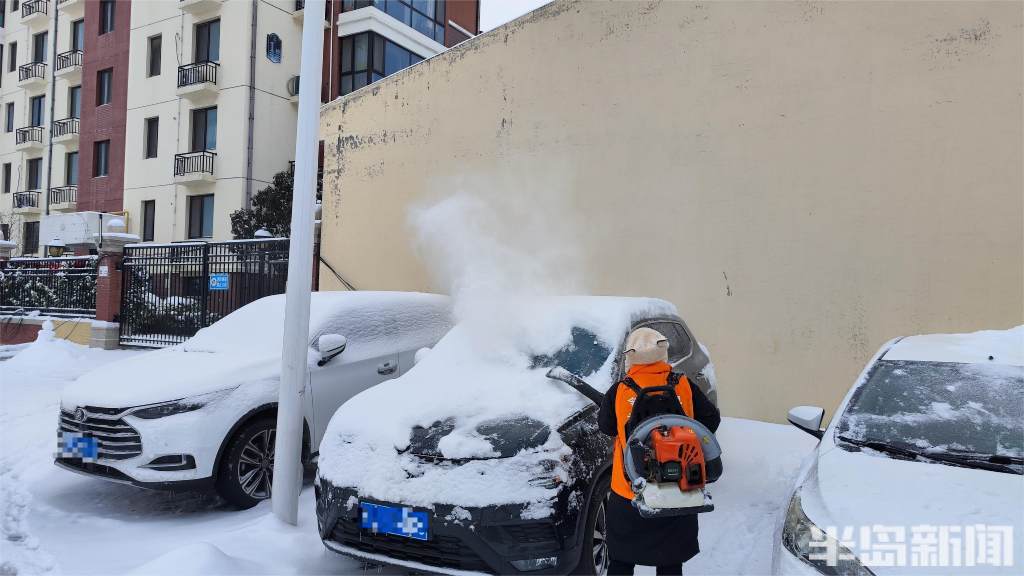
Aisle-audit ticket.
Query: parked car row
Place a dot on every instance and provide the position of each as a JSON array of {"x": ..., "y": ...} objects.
[{"x": 476, "y": 461}]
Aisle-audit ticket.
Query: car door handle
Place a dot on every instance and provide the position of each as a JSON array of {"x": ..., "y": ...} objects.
[{"x": 386, "y": 368}]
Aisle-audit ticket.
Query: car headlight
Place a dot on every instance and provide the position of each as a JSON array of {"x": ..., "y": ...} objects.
[
  {"x": 173, "y": 407},
  {"x": 814, "y": 547}
]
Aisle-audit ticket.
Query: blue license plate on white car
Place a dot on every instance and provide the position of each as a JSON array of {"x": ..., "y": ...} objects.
[
  {"x": 78, "y": 445},
  {"x": 396, "y": 520}
]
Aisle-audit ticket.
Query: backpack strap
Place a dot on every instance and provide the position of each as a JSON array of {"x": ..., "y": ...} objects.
[{"x": 632, "y": 385}]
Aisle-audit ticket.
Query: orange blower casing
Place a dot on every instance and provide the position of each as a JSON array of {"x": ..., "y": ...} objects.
[{"x": 680, "y": 444}]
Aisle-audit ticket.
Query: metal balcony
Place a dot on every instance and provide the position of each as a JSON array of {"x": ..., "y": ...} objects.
[
  {"x": 25, "y": 202},
  {"x": 32, "y": 75},
  {"x": 194, "y": 167},
  {"x": 69, "y": 64},
  {"x": 63, "y": 198},
  {"x": 34, "y": 11},
  {"x": 198, "y": 79},
  {"x": 65, "y": 130},
  {"x": 28, "y": 138}
]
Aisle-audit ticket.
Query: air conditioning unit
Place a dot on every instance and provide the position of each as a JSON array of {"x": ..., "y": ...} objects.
[{"x": 293, "y": 86}]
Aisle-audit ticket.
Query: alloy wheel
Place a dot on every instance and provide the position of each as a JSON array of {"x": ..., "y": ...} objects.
[
  {"x": 256, "y": 465},
  {"x": 601, "y": 560}
]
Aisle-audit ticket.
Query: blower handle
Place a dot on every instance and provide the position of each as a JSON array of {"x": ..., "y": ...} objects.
[{"x": 563, "y": 375}]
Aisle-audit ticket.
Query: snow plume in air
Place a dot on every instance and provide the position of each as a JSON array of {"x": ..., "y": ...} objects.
[{"x": 510, "y": 239}]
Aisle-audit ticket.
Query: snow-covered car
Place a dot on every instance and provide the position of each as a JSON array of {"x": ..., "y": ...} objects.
[
  {"x": 476, "y": 461},
  {"x": 203, "y": 413},
  {"x": 921, "y": 471}
]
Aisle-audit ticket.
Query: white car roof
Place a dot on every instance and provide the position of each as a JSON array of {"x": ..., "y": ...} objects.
[{"x": 1003, "y": 346}]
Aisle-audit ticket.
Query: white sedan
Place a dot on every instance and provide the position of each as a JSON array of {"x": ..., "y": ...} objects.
[
  {"x": 921, "y": 471},
  {"x": 203, "y": 413}
]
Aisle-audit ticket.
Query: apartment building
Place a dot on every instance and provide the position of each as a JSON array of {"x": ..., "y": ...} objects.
[
  {"x": 173, "y": 113},
  {"x": 62, "y": 93}
]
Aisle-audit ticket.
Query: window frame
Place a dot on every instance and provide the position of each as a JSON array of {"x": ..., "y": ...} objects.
[
  {"x": 37, "y": 54},
  {"x": 9, "y": 117},
  {"x": 75, "y": 101},
  {"x": 7, "y": 174},
  {"x": 104, "y": 89},
  {"x": 106, "y": 18},
  {"x": 37, "y": 110},
  {"x": 71, "y": 175},
  {"x": 204, "y": 113},
  {"x": 37, "y": 163},
  {"x": 151, "y": 137},
  {"x": 154, "y": 59},
  {"x": 148, "y": 228},
  {"x": 101, "y": 159},
  {"x": 78, "y": 34},
  {"x": 12, "y": 56},
  {"x": 27, "y": 246},
  {"x": 203, "y": 29},
  {"x": 374, "y": 70},
  {"x": 196, "y": 227}
]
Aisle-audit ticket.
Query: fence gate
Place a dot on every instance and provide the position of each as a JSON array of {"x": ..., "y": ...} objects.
[{"x": 170, "y": 291}]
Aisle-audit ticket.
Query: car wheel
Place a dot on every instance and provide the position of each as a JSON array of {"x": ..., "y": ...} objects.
[
  {"x": 594, "y": 554},
  {"x": 247, "y": 468}
]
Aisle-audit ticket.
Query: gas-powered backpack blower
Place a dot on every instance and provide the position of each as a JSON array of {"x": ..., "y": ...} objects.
[{"x": 669, "y": 458}]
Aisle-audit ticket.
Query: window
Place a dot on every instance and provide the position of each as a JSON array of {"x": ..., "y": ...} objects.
[
  {"x": 200, "y": 216},
  {"x": 78, "y": 35},
  {"x": 37, "y": 110},
  {"x": 274, "y": 48},
  {"x": 31, "y": 238},
  {"x": 426, "y": 16},
  {"x": 153, "y": 65},
  {"x": 12, "y": 56},
  {"x": 39, "y": 47},
  {"x": 71, "y": 169},
  {"x": 1, "y": 59},
  {"x": 75, "y": 102},
  {"x": 7, "y": 178},
  {"x": 104, "y": 86},
  {"x": 9, "y": 117},
  {"x": 14, "y": 5},
  {"x": 5, "y": 231},
  {"x": 35, "y": 173},
  {"x": 368, "y": 57},
  {"x": 106, "y": 16},
  {"x": 208, "y": 41},
  {"x": 152, "y": 137},
  {"x": 204, "y": 129},
  {"x": 3, "y": 22},
  {"x": 679, "y": 345},
  {"x": 101, "y": 158},
  {"x": 148, "y": 219}
]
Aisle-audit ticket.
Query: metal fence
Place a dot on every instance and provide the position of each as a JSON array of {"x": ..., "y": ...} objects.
[
  {"x": 197, "y": 73},
  {"x": 51, "y": 286},
  {"x": 170, "y": 291},
  {"x": 194, "y": 162}
]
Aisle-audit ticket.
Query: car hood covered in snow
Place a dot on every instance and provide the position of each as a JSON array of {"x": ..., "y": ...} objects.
[
  {"x": 245, "y": 346},
  {"x": 480, "y": 396}
]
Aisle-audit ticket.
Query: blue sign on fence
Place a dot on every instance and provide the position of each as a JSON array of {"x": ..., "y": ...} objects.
[{"x": 219, "y": 281}]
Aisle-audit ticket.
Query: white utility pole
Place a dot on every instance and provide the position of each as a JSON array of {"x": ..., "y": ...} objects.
[{"x": 294, "y": 371}]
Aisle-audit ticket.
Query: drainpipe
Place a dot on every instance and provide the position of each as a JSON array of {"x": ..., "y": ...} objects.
[
  {"x": 53, "y": 98},
  {"x": 250, "y": 135}
]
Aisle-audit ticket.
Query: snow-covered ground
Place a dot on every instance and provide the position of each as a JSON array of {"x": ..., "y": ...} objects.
[{"x": 54, "y": 521}]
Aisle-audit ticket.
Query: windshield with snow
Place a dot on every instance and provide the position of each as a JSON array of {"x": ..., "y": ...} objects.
[
  {"x": 583, "y": 355},
  {"x": 935, "y": 408}
]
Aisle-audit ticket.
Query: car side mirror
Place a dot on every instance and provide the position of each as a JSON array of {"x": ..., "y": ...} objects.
[
  {"x": 808, "y": 419},
  {"x": 330, "y": 345}
]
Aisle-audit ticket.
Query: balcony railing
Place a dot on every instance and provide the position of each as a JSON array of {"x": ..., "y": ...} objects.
[
  {"x": 31, "y": 70},
  {"x": 64, "y": 127},
  {"x": 26, "y": 199},
  {"x": 63, "y": 195},
  {"x": 69, "y": 59},
  {"x": 28, "y": 134},
  {"x": 33, "y": 7},
  {"x": 194, "y": 162},
  {"x": 197, "y": 73}
]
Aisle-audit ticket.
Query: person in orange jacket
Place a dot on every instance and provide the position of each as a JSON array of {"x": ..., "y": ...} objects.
[{"x": 664, "y": 542}]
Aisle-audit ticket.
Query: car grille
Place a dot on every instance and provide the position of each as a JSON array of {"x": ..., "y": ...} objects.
[
  {"x": 532, "y": 533},
  {"x": 439, "y": 551},
  {"x": 116, "y": 439}
]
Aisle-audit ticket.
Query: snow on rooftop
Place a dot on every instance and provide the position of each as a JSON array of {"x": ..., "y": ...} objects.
[{"x": 1004, "y": 347}]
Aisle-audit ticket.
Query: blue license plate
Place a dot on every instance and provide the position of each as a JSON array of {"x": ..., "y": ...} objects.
[
  {"x": 77, "y": 445},
  {"x": 396, "y": 520}
]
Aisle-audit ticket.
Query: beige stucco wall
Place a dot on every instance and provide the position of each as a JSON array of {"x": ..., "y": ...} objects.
[{"x": 804, "y": 181}]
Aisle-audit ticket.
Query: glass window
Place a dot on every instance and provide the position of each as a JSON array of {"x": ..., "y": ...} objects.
[
  {"x": 78, "y": 35},
  {"x": 399, "y": 11},
  {"x": 360, "y": 51},
  {"x": 274, "y": 48},
  {"x": 39, "y": 47},
  {"x": 101, "y": 158},
  {"x": 37, "y": 110},
  {"x": 155, "y": 47},
  {"x": 31, "y": 238},
  {"x": 7, "y": 178},
  {"x": 71, "y": 169},
  {"x": 378, "y": 54},
  {"x": 423, "y": 24},
  {"x": 204, "y": 129},
  {"x": 200, "y": 216},
  {"x": 35, "y": 173},
  {"x": 152, "y": 137},
  {"x": 148, "y": 219},
  {"x": 9, "y": 117},
  {"x": 678, "y": 342},
  {"x": 12, "y": 56},
  {"x": 104, "y": 86},
  {"x": 395, "y": 58},
  {"x": 106, "y": 16},
  {"x": 75, "y": 102},
  {"x": 208, "y": 41}
]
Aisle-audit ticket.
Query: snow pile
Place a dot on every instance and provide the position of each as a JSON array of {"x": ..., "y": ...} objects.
[
  {"x": 198, "y": 559},
  {"x": 49, "y": 356},
  {"x": 1003, "y": 346},
  {"x": 476, "y": 373}
]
